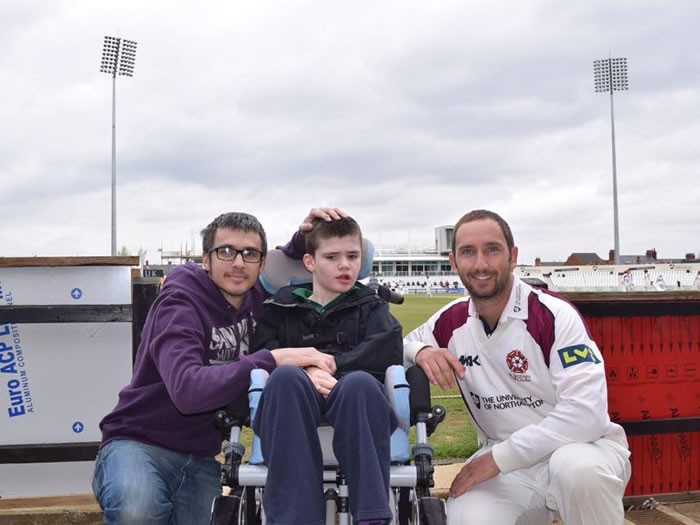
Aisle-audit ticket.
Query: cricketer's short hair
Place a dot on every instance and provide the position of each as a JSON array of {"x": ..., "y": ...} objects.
[{"x": 477, "y": 215}]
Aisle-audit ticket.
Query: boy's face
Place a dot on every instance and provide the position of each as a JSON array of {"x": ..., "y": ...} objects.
[{"x": 335, "y": 265}]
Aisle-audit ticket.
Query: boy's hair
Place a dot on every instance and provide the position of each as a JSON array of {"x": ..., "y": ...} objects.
[
  {"x": 234, "y": 220},
  {"x": 478, "y": 215},
  {"x": 343, "y": 227}
]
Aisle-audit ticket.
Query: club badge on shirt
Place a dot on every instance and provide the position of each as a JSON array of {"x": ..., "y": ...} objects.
[{"x": 518, "y": 365}]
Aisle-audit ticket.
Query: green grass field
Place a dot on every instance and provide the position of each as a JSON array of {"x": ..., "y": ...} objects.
[{"x": 454, "y": 438}]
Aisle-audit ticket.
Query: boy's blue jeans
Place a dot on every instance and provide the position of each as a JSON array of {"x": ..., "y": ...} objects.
[{"x": 143, "y": 484}]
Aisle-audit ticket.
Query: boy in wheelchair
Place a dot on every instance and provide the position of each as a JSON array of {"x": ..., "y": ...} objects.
[{"x": 339, "y": 316}]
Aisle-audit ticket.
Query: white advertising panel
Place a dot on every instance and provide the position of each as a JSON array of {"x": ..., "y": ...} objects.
[
  {"x": 59, "y": 380},
  {"x": 61, "y": 285},
  {"x": 31, "y": 480}
]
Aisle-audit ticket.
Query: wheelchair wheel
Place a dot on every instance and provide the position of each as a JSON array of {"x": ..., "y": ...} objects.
[
  {"x": 251, "y": 511},
  {"x": 432, "y": 511},
  {"x": 403, "y": 501},
  {"x": 238, "y": 508},
  {"x": 226, "y": 510}
]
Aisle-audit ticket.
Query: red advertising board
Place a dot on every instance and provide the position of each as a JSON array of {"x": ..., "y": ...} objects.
[{"x": 651, "y": 347}]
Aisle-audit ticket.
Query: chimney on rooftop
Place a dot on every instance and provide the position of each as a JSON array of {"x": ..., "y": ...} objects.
[
  {"x": 651, "y": 254},
  {"x": 611, "y": 256}
]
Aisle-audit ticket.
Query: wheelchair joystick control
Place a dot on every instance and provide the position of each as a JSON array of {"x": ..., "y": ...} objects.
[{"x": 436, "y": 416}]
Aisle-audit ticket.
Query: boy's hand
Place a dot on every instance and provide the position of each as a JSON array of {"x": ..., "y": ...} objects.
[
  {"x": 322, "y": 380},
  {"x": 327, "y": 214},
  {"x": 303, "y": 357}
]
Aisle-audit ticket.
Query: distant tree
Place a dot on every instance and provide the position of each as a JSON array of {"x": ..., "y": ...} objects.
[
  {"x": 142, "y": 255},
  {"x": 124, "y": 252}
]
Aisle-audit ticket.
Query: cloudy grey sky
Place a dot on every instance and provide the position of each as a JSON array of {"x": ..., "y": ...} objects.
[{"x": 405, "y": 113}]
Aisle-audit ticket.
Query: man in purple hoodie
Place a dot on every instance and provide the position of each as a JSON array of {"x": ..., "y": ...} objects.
[{"x": 156, "y": 463}]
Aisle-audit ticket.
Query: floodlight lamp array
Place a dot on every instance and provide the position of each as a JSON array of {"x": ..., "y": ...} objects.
[
  {"x": 110, "y": 52},
  {"x": 118, "y": 56},
  {"x": 610, "y": 74},
  {"x": 128, "y": 58}
]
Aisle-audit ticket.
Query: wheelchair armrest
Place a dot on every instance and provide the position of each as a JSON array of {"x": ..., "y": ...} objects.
[
  {"x": 397, "y": 392},
  {"x": 396, "y": 389},
  {"x": 421, "y": 409},
  {"x": 420, "y": 392},
  {"x": 258, "y": 378}
]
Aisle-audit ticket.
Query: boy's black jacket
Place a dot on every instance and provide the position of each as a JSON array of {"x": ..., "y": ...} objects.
[{"x": 357, "y": 329}]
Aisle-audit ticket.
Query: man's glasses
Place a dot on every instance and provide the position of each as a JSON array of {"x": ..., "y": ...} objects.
[{"x": 229, "y": 253}]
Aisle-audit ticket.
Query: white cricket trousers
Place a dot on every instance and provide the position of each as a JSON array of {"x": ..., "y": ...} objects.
[{"x": 583, "y": 483}]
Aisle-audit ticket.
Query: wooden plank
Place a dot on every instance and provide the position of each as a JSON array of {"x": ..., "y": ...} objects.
[
  {"x": 60, "y": 502},
  {"x": 97, "y": 260},
  {"x": 90, "y": 313}
]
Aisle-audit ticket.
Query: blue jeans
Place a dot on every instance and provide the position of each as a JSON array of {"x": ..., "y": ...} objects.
[{"x": 143, "y": 484}]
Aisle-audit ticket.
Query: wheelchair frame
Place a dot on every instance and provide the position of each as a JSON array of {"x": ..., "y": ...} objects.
[{"x": 410, "y": 483}]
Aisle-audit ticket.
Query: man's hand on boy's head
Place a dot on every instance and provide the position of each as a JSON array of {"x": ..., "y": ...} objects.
[{"x": 327, "y": 214}]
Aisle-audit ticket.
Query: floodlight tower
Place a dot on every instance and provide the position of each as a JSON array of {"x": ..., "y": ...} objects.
[
  {"x": 118, "y": 58},
  {"x": 610, "y": 74}
]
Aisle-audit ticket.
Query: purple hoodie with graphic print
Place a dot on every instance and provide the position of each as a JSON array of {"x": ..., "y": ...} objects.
[{"x": 193, "y": 360}]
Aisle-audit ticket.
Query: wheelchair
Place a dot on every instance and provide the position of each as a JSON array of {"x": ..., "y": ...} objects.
[
  {"x": 408, "y": 391},
  {"x": 410, "y": 482}
]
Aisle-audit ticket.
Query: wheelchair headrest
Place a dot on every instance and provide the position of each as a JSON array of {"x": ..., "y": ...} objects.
[{"x": 281, "y": 270}]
